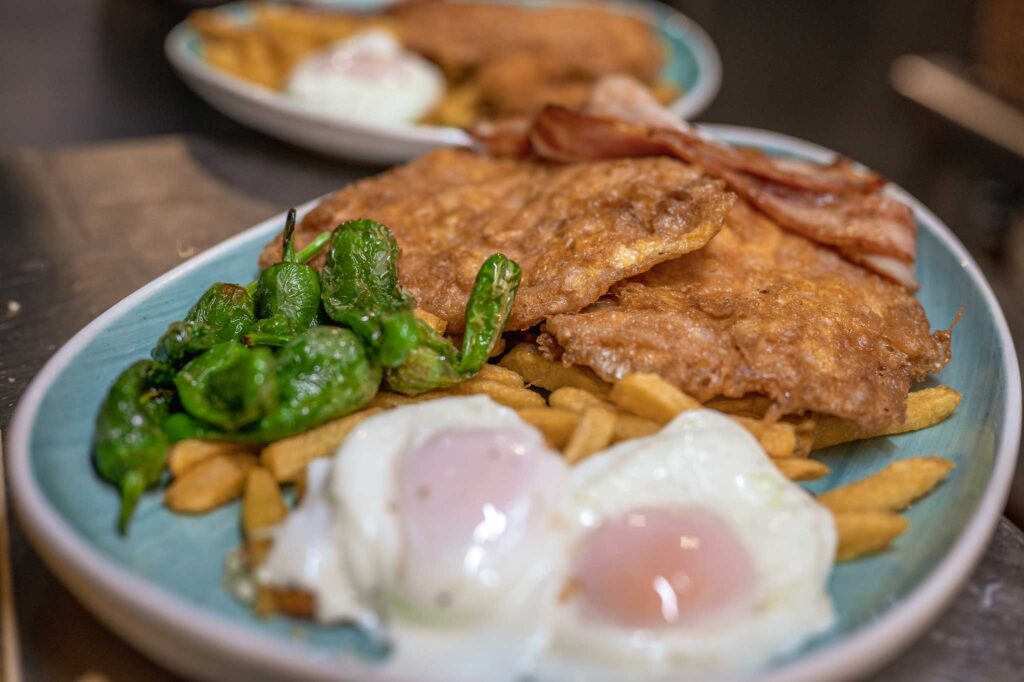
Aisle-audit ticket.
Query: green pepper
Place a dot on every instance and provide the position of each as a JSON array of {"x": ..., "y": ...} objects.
[
  {"x": 289, "y": 289},
  {"x": 273, "y": 332},
  {"x": 130, "y": 445},
  {"x": 229, "y": 386},
  {"x": 224, "y": 313},
  {"x": 227, "y": 309},
  {"x": 322, "y": 374},
  {"x": 435, "y": 362},
  {"x": 361, "y": 291}
]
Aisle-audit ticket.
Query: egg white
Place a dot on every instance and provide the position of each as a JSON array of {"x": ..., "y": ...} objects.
[
  {"x": 344, "y": 544},
  {"x": 702, "y": 458}
]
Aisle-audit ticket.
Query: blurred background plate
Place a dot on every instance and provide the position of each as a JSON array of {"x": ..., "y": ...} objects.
[
  {"x": 692, "y": 65},
  {"x": 160, "y": 588}
]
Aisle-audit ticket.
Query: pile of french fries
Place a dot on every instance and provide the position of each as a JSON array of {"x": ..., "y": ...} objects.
[
  {"x": 581, "y": 415},
  {"x": 266, "y": 50}
]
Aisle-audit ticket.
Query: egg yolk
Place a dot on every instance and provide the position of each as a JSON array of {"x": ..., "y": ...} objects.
[
  {"x": 469, "y": 500},
  {"x": 656, "y": 567}
]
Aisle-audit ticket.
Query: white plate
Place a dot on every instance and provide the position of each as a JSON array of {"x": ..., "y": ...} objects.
[{"x": 692, "y": 64}]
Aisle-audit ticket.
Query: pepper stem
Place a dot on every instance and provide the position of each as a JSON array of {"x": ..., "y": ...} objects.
[
  {"x": 132, "y": 486},
  {"x": 274, "y": 340},
  {"x": 313, "y": 248},
  {"x": 288, "y": 252}
]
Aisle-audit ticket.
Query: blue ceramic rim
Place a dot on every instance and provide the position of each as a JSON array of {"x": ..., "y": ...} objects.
[{"x": 72, "y": 558}]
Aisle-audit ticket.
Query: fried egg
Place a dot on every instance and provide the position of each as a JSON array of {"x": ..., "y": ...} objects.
[
  {"x": 452, "y": 531},
  {"x": 437, "y": 527},
  {"x": 689, "y": 553}
]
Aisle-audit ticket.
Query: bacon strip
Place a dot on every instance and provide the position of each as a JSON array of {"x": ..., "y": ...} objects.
[{"x": 838, "y": 205}]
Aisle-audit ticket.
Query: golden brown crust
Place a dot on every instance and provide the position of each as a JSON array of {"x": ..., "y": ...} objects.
[
  {"x": 575, "y": 229},
  {"x": 761, "y": 310}
]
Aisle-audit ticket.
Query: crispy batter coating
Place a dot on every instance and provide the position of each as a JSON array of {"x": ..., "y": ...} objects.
[
  {"x": 524, "y": 57},
  {"x": 575, "y": 229},
  {"x": 762, "y": 310}
]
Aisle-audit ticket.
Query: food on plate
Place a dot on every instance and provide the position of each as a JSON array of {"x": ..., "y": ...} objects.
[
  {"x": 840, "y": 205},
  {"x": 130, "y": 445},
  {"x": 509, "y": 548},
  {"x": 186, "y": 454},
  {"x": 539, "y": 370},
  {"x": 287, "y": 458},
  {"x": 263, "y": 507},
  {"x": 693, "y": 562},
  {"x": 651, "y": 397},
  {"x": 762, "y": 311},
  {"x": 260, "y": 363},
  {"x": 891, "y": 489},
  {"x": 210, "y": 483},
  {"x": 801, "y": 469},
  {"x": 369, "y": 77},
  {"x": 574, "y": 229},
  {"x": 925, "y": 407},
  {"x": 551, "y": 421},
  {"x": 435, "y": 62},
  {"x": 390, "y": 535},
  {"x": 864, "y": 533},
  {"x": 594, "y": 432}
]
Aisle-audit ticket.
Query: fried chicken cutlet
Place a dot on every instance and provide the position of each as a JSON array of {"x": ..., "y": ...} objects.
[
  {"x": 576, "y": 229},
  {"x": 762, "y": 310}
]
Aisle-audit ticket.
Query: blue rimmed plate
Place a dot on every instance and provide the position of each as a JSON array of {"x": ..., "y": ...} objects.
[
  {"x": 692, "y": 65},
  {"x": 161, "y": 589}
]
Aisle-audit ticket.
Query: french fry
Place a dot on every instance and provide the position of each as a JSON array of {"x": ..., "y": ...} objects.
[
  {"x": 459, "y": 106},
  {"x": 557, "y": 425},
  {"x": 629, "y": 426},
  {"x": 777, "y": 438},
  {"x": 515, "y": 397},
  {"x": 862, "y": 533},
  {"x": 293, "y": 602},
  {"x": 593, "y": 432},
  {"x": 438, "y": 324},
  {"x": 503, "y": 375},
  {"x": 527, "y": 360},
  {"x": 262, "y": 507},
  {"x": 301, "y": 480},
  {"x": 925, "y": 408},
  {"x": 575, "y": 400},
  {"x": 893, "y": 488},
  {"x": 210, "y": 483},
  {"x": 287, "y": 457},
  {"x": 804, "y": 429},
  {"x": 747, "y": 406},
  {"x": 800, "y": 468},
  {"x": 186, "y": 454},
  {"x": 651, "y": 397}
]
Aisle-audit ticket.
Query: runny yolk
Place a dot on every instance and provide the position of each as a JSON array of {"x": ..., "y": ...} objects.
[{"x": 655, "y": 567}]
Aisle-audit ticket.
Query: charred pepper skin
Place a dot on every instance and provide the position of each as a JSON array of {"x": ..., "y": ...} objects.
[
  {"x": 360, "y": 289},
  {"x": 229, "y": 386},
  {"x": 130, "y": 447},
  {"x": 322, "y": 374},
  {"x": 289, "y": 289},
  {"x": 435, "y": 362},
  {"x": 225, "y": 312}
]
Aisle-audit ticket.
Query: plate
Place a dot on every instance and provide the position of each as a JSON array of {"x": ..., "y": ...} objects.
[
  {"x": 161, "y": 590},
  {"x": 692, "y": 65}
]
